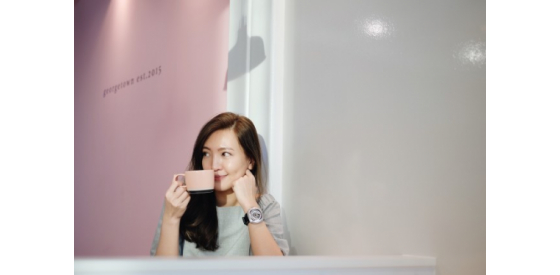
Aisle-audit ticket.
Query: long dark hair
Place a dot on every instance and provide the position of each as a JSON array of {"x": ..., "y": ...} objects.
[{"x": 199, "y": 224}]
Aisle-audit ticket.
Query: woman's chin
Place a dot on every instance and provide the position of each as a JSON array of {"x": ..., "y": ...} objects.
[
  {"x": 217, "y": 187},
  {"x": 220, "y": 187}
]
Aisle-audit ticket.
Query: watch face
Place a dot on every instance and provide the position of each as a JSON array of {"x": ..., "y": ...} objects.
[{"x": 255, "y": 215}]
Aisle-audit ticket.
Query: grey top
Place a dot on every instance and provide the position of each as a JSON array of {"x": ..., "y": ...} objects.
[{"x": 233, "y": 235}]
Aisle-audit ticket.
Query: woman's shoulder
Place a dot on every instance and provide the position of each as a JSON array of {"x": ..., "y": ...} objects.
[{"x": 267, "y": 200}]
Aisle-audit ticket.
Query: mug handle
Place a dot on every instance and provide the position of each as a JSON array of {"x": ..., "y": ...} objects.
[{"x": 180, "y": 178}]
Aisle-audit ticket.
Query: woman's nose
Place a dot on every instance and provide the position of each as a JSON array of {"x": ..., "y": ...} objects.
[{"x": 216, "y": 163}]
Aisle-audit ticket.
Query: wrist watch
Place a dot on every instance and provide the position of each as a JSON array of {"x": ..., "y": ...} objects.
[{"x": 254, "y": 215}]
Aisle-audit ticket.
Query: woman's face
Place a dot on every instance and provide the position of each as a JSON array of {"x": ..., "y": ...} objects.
[{"x": 223, "y": 154}]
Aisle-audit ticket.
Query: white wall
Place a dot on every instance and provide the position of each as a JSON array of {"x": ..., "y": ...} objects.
[
  {"x": 384, "y": 129},
  {"x": 255, "y": 76}
]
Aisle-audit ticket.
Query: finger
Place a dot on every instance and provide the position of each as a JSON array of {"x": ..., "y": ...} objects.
[
  {"x": 174, "y": 183},
  {"x": 181, "y": 180},
  {"x": 178, "y": 197},
  {"x": 239, "y": 180},
  {"x": 249, "y": 174},
  {"x": 184, "y": 204},
  {"x": 170, "y": 190},
  {"x": 179, "y": 192},
  {"x": 185, "y": 198}
]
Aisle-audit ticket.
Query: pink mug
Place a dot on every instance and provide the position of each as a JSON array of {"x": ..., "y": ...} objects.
[{"x": 197, "y": 181}]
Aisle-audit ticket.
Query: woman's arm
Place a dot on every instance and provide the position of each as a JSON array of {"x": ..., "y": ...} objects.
[
  {"x": 169, "y": 239},
  {"x": 262, "y": 241},
  {"x": 176, "y": 200}
]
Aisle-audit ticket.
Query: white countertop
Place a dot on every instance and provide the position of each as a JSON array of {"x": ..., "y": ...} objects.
[{"x": 259, "y": 265}]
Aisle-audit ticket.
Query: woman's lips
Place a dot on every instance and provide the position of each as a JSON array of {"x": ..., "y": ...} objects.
[{"x": 218, "y": 178}]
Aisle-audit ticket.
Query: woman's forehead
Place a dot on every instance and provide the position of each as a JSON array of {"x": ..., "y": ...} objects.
[{"x": 222, "y": 139}]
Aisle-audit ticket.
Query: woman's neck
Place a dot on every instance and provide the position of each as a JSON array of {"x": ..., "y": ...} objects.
[{"x": 226, "y": 198}]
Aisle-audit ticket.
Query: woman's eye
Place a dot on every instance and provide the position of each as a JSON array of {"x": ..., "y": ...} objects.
[
  {"x": 205, "y": 154},
  {"x": 226, "y": 154}
]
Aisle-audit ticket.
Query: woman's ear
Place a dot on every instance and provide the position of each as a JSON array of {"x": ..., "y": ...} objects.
[{"x": 251, "y": 165}]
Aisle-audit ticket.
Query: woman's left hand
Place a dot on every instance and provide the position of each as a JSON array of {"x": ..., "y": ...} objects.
[{"x": 245, "y": 189}]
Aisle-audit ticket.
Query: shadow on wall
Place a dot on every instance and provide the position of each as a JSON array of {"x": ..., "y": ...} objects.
[{"x": 237, "y": 56}]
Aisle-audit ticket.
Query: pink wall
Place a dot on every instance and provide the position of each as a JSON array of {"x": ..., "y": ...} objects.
[{"x": 130, "y": 141}]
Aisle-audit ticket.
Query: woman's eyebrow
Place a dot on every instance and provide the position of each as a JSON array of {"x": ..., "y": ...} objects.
[{"x": 219, "y": 149}]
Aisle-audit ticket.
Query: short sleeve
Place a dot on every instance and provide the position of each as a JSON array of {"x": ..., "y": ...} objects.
[{"x": 271, "y": 212}]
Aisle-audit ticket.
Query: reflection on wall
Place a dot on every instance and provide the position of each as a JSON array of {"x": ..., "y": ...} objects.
[
  {"x": 376, "y": 28},
  {"x": 472, "y": 53},
  {"x": 148, "y": 74}
]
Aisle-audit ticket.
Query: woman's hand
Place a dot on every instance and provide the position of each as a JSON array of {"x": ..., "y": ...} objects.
[
  {"x": 176, "y": 200},
  {"x": 245, "y": 189}
]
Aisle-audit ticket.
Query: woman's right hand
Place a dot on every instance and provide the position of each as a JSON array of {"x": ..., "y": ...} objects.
[{"x": 176, "y": 200}]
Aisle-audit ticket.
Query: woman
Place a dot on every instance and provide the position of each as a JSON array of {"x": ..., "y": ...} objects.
[{"x": 227, "y": 221}]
